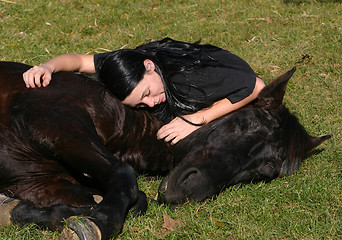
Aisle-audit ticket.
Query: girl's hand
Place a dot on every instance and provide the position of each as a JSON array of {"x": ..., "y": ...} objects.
[
  {"x": 178, "y": 129},
  {"x": 38, "y": 76}
]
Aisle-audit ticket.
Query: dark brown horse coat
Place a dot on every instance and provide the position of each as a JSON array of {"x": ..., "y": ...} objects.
[{"x": 63, "y": 144}]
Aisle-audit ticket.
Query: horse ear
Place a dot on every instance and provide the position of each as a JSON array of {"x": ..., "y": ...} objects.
[
  {"x": 315, "y": 142},
  {"x": 272, "y": 95}
]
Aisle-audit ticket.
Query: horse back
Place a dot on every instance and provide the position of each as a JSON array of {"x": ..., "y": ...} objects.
[
  {"x": 11, "y": 82},
  {"x": 74, "y": 98},
  {"x": 66, "y": 91}
]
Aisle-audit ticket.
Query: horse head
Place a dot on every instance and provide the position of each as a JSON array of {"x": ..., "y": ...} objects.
[{"x": 260, "y": 142}]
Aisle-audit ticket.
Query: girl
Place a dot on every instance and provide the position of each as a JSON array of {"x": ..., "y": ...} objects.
[{"x": 187, "y": 84}]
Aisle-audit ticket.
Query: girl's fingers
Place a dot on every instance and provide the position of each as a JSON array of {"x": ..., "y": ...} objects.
[{"x": 36, "y": 75}]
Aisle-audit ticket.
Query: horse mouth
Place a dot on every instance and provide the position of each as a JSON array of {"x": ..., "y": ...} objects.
[{"x": 162, "y": 190}]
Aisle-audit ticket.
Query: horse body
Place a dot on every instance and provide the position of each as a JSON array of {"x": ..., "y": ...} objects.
[
  {"x": 59, "y": 146},
  {"x": 63, "y": 144}
]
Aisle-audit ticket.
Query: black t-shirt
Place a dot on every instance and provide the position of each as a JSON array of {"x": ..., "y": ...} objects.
[{"x": 235, "y": 81}]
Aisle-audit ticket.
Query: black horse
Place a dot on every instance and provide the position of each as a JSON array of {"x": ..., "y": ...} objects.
[{"x": 60, "y": 146}]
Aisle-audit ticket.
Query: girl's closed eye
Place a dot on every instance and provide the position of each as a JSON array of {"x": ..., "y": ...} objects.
[
  {"x": 141, "y": 105},
  {"x": 147, "y": 93}
]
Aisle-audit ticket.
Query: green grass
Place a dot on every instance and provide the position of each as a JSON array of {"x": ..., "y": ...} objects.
[{"x": 272, "y": 36}]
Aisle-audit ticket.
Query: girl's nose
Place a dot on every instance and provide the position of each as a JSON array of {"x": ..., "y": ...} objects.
[{"x": 149, "y": 101}]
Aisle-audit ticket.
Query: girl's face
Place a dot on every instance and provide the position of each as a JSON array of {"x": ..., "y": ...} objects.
[{"x": 149, "y": 91}]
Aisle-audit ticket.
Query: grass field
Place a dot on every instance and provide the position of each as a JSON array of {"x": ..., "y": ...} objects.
[{"x": 272, "y": 36}]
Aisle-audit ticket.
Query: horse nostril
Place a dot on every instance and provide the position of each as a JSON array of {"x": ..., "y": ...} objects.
[
  {"x": 190, "y": 184},
  {"x": 189, "y": 177}
]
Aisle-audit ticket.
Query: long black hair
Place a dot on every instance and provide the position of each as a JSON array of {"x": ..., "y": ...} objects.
[{"x": 122, "y": 70}]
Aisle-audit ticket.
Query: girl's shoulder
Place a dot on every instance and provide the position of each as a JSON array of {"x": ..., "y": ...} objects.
[{"x": 219, "y": 54}]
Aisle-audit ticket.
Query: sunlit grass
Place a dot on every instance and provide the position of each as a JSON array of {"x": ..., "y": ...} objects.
[{"x": 272, "y": 36}]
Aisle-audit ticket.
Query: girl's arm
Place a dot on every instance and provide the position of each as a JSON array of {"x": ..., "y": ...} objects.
[
  {"x": 178, "y": 129},
  {"x": 41, "y": 75}
]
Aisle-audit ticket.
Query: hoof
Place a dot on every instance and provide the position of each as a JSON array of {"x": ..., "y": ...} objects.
[
  {"x": 6, "y": 206},
  {"x": 80, "y": 229}
]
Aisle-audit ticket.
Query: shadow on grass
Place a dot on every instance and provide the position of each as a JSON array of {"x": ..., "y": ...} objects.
[{"x": 313, "y": 153}]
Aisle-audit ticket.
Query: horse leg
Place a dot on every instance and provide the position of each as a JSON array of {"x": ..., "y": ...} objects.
[
  {"x": 41, "y": 190},
  {"x": 18, "y": 212},
  {"x": 117, "y": 179},
  {"x": 78, "y": 146},
  {"x": 21, "y": 212}
]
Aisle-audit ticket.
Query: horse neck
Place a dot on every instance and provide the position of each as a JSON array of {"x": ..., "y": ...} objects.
[
  {"x": 125, "y": 124},
  {"x": 140, "y": 122}
]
